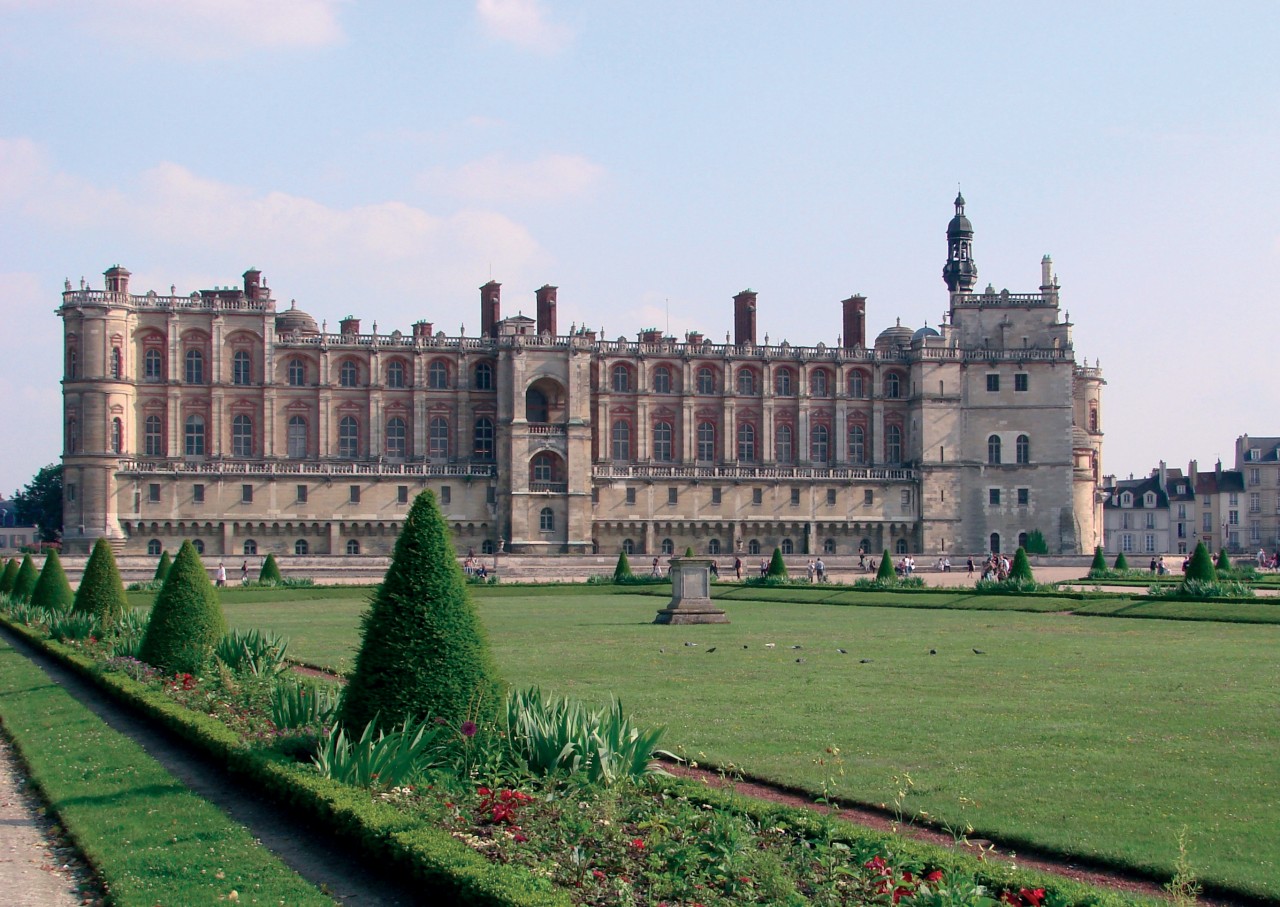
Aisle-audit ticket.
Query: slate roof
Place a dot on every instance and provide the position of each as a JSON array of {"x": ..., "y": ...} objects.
[{"x": 1139, "y": 489}]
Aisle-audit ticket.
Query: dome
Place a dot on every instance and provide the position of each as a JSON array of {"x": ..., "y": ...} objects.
[
  {"x": 924, "y": 332},
  {"x": 959, "y": 224},
  {"x": 896, "y": 336},
  {"x": 295, "y": 321}
]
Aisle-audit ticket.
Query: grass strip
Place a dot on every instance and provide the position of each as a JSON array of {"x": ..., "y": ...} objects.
[{"x": 150, "y": 839}]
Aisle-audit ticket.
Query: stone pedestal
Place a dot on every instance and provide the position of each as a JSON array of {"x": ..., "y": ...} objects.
[{"x": 691, "y": 594}]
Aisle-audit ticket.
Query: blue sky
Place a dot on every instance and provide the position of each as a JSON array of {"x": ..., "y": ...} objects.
[{"x": 384, "y": 159}]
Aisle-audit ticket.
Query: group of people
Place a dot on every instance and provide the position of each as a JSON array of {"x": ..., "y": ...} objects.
[
  {"x": 475, "y": 567},
  {"x": 905, "y": 567},
  {"x": 995, "y": 567},
  {"x": 220, "y": 577}
]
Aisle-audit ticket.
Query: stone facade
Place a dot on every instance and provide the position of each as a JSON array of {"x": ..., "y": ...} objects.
[{"x": 220, "y": 418}]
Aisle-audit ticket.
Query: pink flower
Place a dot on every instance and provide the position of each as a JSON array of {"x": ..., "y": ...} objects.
[{"x": 468, "y": 729}]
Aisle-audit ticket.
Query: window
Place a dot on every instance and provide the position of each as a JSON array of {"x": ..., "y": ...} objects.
[
  {"x": 297, "y": 437},
  {"x": 628, "y": 546},
  {"x": 402, "y": 494},
  {"x": 348, "y": 374},
  {"x": 713, "y": 546},
  {"x": 353, "y": 546},
  {"x": 787, "y": 546},
  {"x": 348, "y": 438},
  {"x": 1093, "y": 418},
  {"x": 829, "y": 546},
  {"x": 486, "y": 547},
  {"x": 993, "y": 450},
  {"x": 892, "y": 386},
  {"x": 1233, "y": 499},
  {"x": 1022, "y": 540},
  {"x": 795, "y": 497},
  {"x": 153, "y": 492},
  {"x": 631, "y": 495},
  {"x": 1233, "y": 517},
  {"x": 1126, "y": 542},
  {"x": 1150, "y": 543},
  {"x": 782, "y": 383},
  {"x": 353, "y": 494},
  {"x": 621, "y": 378},
  {"x": 621, "y": 440},
  {"x": 484, "y": 376},
  {"x": 300, "y": 547},
  {"x": 483, "y": 440},
  {"x": 1020, "y": 382},
  {"x": 241, "y": 368},
  {"x": 868, "y": 499},
  {"x": 297, "y": 373},
  {"x": 993, "y": 497},
  {"x": 194, "y": 373},
  {"x": 193, "y": 436},
  {"x": 900, "y": 546},
  {"x": 73, "y": 363},
  {"x": 544, "y": 468},
  {"x": 535, "y": 405},
  {"x": 1208, "y": 524},
  {"x": 819, "y": 445},
  {"x": 241, "y": 436},
  {"x": 831, "y": 497},
  {"x": 858, "y": 384},
  {"x": 117, "y": 363},
  {"x": 1255, "y": 502},
  {"x": 246, "y": 494},
  {"x": 117, "y": 436},
  {"x": 154, "y": 547},
  {"x": 153, "y": 437},
  {"x": 546, "y": 520},
  {"x": 71, "y": 491},
  {"x": 662, "y": 380},
  {"x": 198, "y": 544},
  {"x": 152, "y": 366},
  {"x": 396, "y": 438},
  {"x": 1255, "y": 476},
  {"x": 706, "y": 441},
  {"x": 893, "y": 445},
  {"x": 438, "y": 439},
  {"x": 662, "y": 442},
  {"x": 716, "y": 495},
  {"x": 1151, "y": 521},
  {"x": 757, "y": 496},
  {"x": 673, "y": 496},
  {"x": 906, "y": 500},
  {"x": 668, "y": 547},
  {"x": 301, "y": 494},
  {"x": 753, "y": 546},
  {"x": 782, "y": 443},
  {"x": 746, "y": 381},
  {"x": 993, "y": 383},
  {"x": 73, "y": 436},
  {"x": 706, "y": 381},
  {"x": 857, "y": 444},
  {"x": 446, "y": 494},
  {"x": 746, "y": 441},
  {"x": 395, "y": 374},
  {"x": 995, "y": 543},
  {"x": 819, "y": 384},
  {"x": 1022, "y": 449},
  {"x": 438, "y": 375}
]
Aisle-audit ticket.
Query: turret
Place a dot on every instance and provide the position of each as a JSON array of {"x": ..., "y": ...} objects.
[
  {"x": 490, "y": 308},
  {"x": 960, "y": 272},
  {"x": 117, "y": 279},
  {"x": 547, "y": 310},
  {"x": 855, "y": 322},
  {"x": 744, "y": 318}
]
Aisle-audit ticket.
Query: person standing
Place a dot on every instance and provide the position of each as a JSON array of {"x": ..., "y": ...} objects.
[
  {"x": 821, "y": 570},
  {"x": 737, "y": 567},
  {"x": 244, "y": 573},
  {"x": 222, "y": 574}
]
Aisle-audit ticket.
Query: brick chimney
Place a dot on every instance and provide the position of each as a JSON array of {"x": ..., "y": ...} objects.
[
  {"x": 744, "y": 318},
  {"x": 349, "y": 325},
  {"x": 253, "y": 284},
  {"x": 422, "y": 330},
  {"x": 547, "y": 310},
  {"x": 490, "y": 308},
  {"x": 855, "y": 322}
]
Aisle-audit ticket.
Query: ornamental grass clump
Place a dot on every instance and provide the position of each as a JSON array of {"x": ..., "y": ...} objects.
[
  {"x": 8, "y": 575},
  {"x": 298, "y": 704},
  {"x": 52, "y": 591},
  {"x": 423, "y": 651},
  {"x": 186, "y": 620},
  {"x": 270, "y": 572},
  {"x": 393, "y": 757},
  {"x": 253, "y": 652},
  {"x": 25, "y": 582},
  {"x": 101, "y": 592}
]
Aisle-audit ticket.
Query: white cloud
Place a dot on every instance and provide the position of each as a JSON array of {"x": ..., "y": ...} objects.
[
  {"x": 497, "y": 178},
  {"x": 523, "y": 23}
]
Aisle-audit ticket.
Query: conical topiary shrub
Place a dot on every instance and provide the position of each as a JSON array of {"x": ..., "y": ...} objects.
[
  {"x": 52, "y": 591},
  {"x": 25, "y": 582},
  {"x": 1224, "y": 561},
  {"x": 8, "y": 576},
  {"x": 186, "y": 621},
  {"x": 1122, "y": 562},
  {"x": 885, "y": 571},
  {"x": 777, "y": 567},
  {"x": 688, "y": 552},
  {"x": 162, "y": 567},
  {"x": 1201, "y": 566},
  {"x": 423, "y": 650},
  {"x": 1020, "y": 569},
  {"x": 101, "y": 592},
  {"x": 1099, "y": 565},
  {"x": 623, "y": 569},
  {"x": 270, "y": 572}
]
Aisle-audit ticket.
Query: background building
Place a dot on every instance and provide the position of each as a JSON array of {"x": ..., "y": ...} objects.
[{"x": 219, "y": 418}]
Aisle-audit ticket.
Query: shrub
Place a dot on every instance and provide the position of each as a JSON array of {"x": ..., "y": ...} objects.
[
  {"x": 777, "y": 567},
  {"x": 1099, "y": 565},
  {"x": 390, "y": 758},
  {"x": 52, "y": 590},
  {"x": 162, "y": 567},
  {"x": 270, "y": 572},
  {"x": 1201, "y": 566},
  {"x": 1202, "y": 589},
  {"x": 296, "y": 704},
  {"x": 101, "y": 592},
  {"x": 423, "y": 651},
  {"x": 253, "y": 652},
  {"x": 1020, "y": 570},
  {"x": 1036, "y": 543},
  {"x": 8, "y": 576},
  {"x": 623, "y": 569},
  {"x": 885, "y": 571},
  {"x": 186, "y": 620},
  {"x": 688, "y": 552},
  {"x": 25, "y": 582},
  {"x": 1224, "y": 561},
  {"x": 65, "y": 625},
  {"x": 1122, "y": 562}
]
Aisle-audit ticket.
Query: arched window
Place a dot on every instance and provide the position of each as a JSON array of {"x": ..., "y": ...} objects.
[
  {"x": 73, "y": 363},
  {"x": 706, "y": 441},
  {"x": 154, "y": 547},
  {"x": 900, "y": 547},
  {"x": 242, "y": 436},
  {"x": 782, "y": 383},
  {"x": 662, "y": 442},
  {"x": 993, "y": 450},
  {"x": 668, "y": 547},
  {"x": 198, "y": 544},
  {"x": 746, "y": 441},
  {"x": 995, "y": 543},
  {"x": 297, "y": 437},
  {"x": 1022, "y": 540},
  {"x": 396, "y": 438},
  {"x": 438, "y": 375},
  {"x": 483, "y": 444},
  {"x": 621, "y": 440},
  {"x": 348, "y": 438},
  {"x": 864, "y": 546},
  {"x": 829, "y": 546},
  {"x": 892, "y": 386},
  {"x": 546, "y": 520},
  {"x": 621, "y": 378},
  {"x": 193, "y": 436},
  {"x": 348, "y": 374},
  {"x": 153, "y": 436},
  {"x": 73, "y": 436},
  {"x": 746, "y": 381},
  {"x": 782, "y": 444},
  {"x": 152, "y": 366},
  {"x": 486, "y": 547},
  {"x": 662, "y": 380},
  {"x": 438, "y": 438},
  {"x": 301, "y": 547},
  {"x": 544, "y": 467},
  {"x": 241, "y": 368},
  {"x": 819, "y": 386},
  {"x": 1093, "y": 418},
  {"x": 250, "y": 547},
  {"x": 297, "y": 372},
  {"x": 713, "y": 546},
  {"x": 753, "y": 546},
  {"x": 395, "y": 374},
  {"x": 893, "y": 445},
  {"x": 819, "y": 444},
  {"x": 117, "y": 363},
  {"x": 628, "y": 546},
  {"x": 858, "y": 384},
  {"x": 706, "y": 381},
  {"x": 117, "y": 436},
  {"x": 857, "y": 444},
  {"x": 787, "y": 547},
  {"x": 484, "y": 376},
  {"x": 353, "y": 546},
  {"x": 1022, "y": 449},
  {"x": 194, "y": 373},
  {"x": 535, "y": 405}
]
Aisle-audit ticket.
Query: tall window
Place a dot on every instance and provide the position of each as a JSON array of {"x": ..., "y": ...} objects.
[
  {"x": 1093, "y": 418},
  {"x": 892, "y": 386},
  {"x": 241, "y": 368},
  {"x": 893, "y": 445},
  {"x": 782, "y": 384},
  {"x": 348, "y": 374},
  {"x": 857, "y": 444},
  {"x": 396, "y": 442},
  {"x": 194, "y": 367},
  {"x": 438, "y": 375},
  {"x": 242, "y": 436},
  {"x": 706, "y": 441},
  {"x": 117, "y": 363},
  {"x": 353, "y": 546},
  {"x": 395, "y": 374},
  {"x": 544, "y": 468},
  {"x": 536, "y": 408},
  {"x": 993, "y": 450},
  {"x": 73, "y": 363},
  {"x": 662, "y": 442},
  {"x": 300, "y": 547},
  {"x": 483, "y": 444},
  {"x": 117, "y": 436},
  {"x": 818, "y": 383},
  {"x": 858, "y": 384},
  {"x": 297, "y": 373},
  {"x": 746, "y": 381},
  {"x": 73, "y": 436},
  {"x": 348, "y": 438},
  {"x": 706, "y": 381},
  {"x": 484, "y": 376},
  {"x": 193, "y": 436},
  {"x": 152, "y": 366},
  {"x": 153, "y": 437},
  {"x": 746, "y": 441},
  {"x": 621, "y": 440},
  {"x": 819, "y": 444},
  {"x": 782, "y": 444},
  {"x": 662, "y": 380},
  {"x": 621, "y": 378},
  {"x": 546, "y": 520},
  {"x": 297, "y": 437},
  {"x": 1023, "y": 449},
  {"x": 438, "y": 438}
]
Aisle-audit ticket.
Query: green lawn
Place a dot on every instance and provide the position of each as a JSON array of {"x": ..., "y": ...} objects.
[{"x": 1089, "y": 735}]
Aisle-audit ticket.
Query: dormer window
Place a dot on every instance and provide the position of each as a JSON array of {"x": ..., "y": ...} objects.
[
  {"x": 1126, "y": 500},
  {"x": 1149, "y": 500}
]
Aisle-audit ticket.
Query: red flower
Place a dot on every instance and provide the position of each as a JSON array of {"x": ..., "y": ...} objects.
[
  {"x": 1032, "y": 896},
  {"x": 519, "y": 837},
  {"x": 637, "y": 843},
  {"x": 935, "y": 876}
]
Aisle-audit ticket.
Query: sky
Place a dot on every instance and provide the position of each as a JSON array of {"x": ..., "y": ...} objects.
[{"x": 385, "y": 159}]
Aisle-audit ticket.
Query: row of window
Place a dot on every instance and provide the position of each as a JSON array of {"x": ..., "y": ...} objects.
[
  {"x": 301, "y": 547},
  {"x": 820, "y": 447},
  {"x": 1022, "y": 450},
  {"x": 757, "y": 496},
  {"x": 753, "y": 546},
  {"x": 154, "y": 492},
  {"x": 1021, "y": 495},
  {"x": 749, "y": 381}
]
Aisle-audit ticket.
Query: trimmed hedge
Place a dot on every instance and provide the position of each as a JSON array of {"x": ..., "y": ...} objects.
[
  {"x": 777, "y": 566},
  {"x": 8, "y": 576},
  {"x": 25, "y": 582},
  {"x": 623, "y": 569},
  {"x": 163, "y": 566},
  {"x": 1201, "y": 566},
  {"x": 186, "y": 620},
  {"x": 1099, "y": 565},
  {"x": 1020, "y": 569},
  {"x": 270, "y": 572},
  {"x": 101, "y": 591},
  {"x": 885, "y": 571},
  {"x": 52, "y": 591}
]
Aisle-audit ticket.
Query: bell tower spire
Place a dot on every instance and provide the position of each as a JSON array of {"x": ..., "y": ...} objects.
[{"x": 960, "y": 272}]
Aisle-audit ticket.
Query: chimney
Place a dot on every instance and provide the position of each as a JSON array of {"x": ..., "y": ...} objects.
[
  {"x": 693, "y": 338},
  {"x": 547, "y": 310},
  {"x": 422, "y": 330},
  {"x": 253, "y": 284},
  {"x": 744, "y": 318},
  {"x": 855, "y": 322},
  {"x": 349, "y": 325},
  {"x": 490, "y": 308},
  {"x": 117, "y": 279},
  {"x": 651, "y": 335}
]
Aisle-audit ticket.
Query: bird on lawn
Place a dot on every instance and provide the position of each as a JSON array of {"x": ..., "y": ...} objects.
[
  {"x": 745, "y": 646},
  {"x": 770, "y": 645},
  {"x": 712, "y": 649},
  {"x": 799, "y": 661},
  {"x": 662, "y": 651},
  {"x": 691, "y": 644},
  {"x": 864, "y": 661},
  {"x": 933, "y": 651},
  {"x": 842, "y": 651},
  {"x": 797, "y": 647},
  {"x": 979, "y": 652}
]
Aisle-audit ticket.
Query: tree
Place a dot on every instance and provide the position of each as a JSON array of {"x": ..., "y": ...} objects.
[
  {"x": 1224, "y": 561},
  {"x": 8, "y": 576},
  {"x": 1036, "y": 543},
  {"x": 25, "y": 582},
  {"x": 1020, "y": 569},
  {"x": 186, "y": 620},
  {"x": 688, "y": 552},
  {"x": 423, "y": 651},
  {"x": 1122, "y": 562},
  {"x": 270, "y": 572},
  {"x": 52, "y": 591},
  {"x": 623, "y": 569},
  {"x": 1201, "y": 566},
  {"x": 777, "y": 567},
  {"x": 1099, "y": 565},
  {"x": 40, "y": 502},
  {"x": 101, "y": 592},
  {"x": 162, "y": 567},
  {"x": 885, "y": 572}
]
